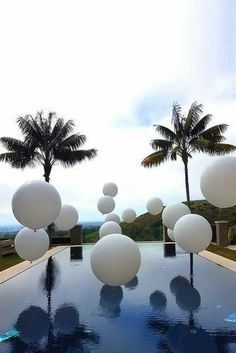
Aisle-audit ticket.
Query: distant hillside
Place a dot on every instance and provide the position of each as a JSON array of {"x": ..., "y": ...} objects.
[{"x": 147, "y": 227}]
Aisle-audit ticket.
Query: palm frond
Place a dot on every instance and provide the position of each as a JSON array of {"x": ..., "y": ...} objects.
[
  {"x": 213, "y": 132},
  {"x": 155, "y": 159},
  {"x": 12, "y": 144},
  {"x": 158, "y": 144},
  {"x": 212, "y": 148},
  {"x": 165, "y": 132},
  {"x": 61, "y": 130},
  {"x": 193, "y": 117},
  {"x": 177, "y": 117},
  {"x": 201, "y": 125},
  {"x": 17, "y": 160},
  {"x": 73, "y": 142},
  {"x": 30, "y": 129},
  {"x": 69, "y": 158}
]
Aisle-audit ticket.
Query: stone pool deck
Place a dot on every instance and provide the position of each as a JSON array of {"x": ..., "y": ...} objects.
[{"x": 25, "y": 265}]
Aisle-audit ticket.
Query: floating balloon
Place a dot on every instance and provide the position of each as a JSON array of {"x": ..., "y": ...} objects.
[
  {"x": 106, "y": 204},
  {"x": 170, "y": 233},
  {"x": 217, "y": 182},
  {"x": 67, "y": 218},
  {"x": 33, "y": 324},
  {"x": 66, "y": 319},
  {"x": 193, "y": 233},
  {"x": 110, "y": 189},
  {"x": 158, "y": 300},
  {"x": 128, "y": 215},
  {"x": 31, "y": 245},
  {"x": 112, "y": 217},
  {"x": 154, "y": 206},
  {"x": 109, "y": 228},
  {"x": 36, "y": 204},
  {"x": 115, "y": 259},
  {"x": 173, "y": 212}
]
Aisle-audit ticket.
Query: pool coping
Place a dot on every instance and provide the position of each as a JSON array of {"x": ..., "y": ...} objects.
[{"x": 13, "y": 271}]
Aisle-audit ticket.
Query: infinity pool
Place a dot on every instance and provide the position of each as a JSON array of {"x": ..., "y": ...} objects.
[{"x": 59, "y": 306}]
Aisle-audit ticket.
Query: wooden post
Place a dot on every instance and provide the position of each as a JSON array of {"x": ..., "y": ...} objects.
[{"x": 222, "y": 233}]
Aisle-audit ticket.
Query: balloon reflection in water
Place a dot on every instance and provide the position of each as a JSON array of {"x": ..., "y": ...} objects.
[
  {"x": 132, "y": 284},
  {"x": 110, "y": 299},
  {"x": 32, "y": 324},
  {"x": 158, "y": 300},
  {"x": 187, "y": 297},
  {"x": 66, "y": 319}
]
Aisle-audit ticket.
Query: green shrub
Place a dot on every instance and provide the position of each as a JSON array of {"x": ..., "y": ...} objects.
[{"x": 232, "y": 236}]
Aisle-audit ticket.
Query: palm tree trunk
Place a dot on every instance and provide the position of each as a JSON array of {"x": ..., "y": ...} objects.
[
  {"x": 187, "y": 182},
  {"x": 51, "y": 227}
]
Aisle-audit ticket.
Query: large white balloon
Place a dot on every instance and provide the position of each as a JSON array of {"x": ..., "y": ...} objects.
[
  {"x": 115, "y": 259},
  {"x": 193, "y": 233},
  {"x": 173, "y": 212},
  {"x": 170, "y": 233},
  {"x": 110, "y": 189},
  {"x": 36, "y": 204},
  {"x": 109, "y": 228},
  {"x": 67, "y": 218},
  {"x": 106, "y": 204},
  {"x": 154, "y": 206},
  {"x": 113, "y": 217},
  {"x": 31, "y": 245},
  {"x": 128, "y": 215},
  {"x": 218, "y": 184}
]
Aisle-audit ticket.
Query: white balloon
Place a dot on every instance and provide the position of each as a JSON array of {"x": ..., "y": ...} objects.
[
  {"x": 106, "y": 204},
  {"x": 154, "y": 206},
  {"x": 112, "y": 217},
  {"x": 218, "y": 184},
  {"x": 31, "y": 245},
  {"x": 170, "y": 233},
  {"x": 193, "y": 233},
  {"x": 109, "y": 228},
  {"x": 115, "y": 259},
  {"x": 110, "y": 189},
  {"x": 173, "y": 212},
  {"x": 67, "y": 218},
  {"x": 128, "y": 215},
  {"x": 36, "y": 204}
]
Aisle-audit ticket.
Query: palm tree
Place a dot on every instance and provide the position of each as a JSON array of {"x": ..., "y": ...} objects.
[
  {"x": 190, "y": 134},
  {"x": 47, "y": 141}
]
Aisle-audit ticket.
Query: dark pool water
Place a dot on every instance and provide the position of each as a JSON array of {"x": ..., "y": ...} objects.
[{"x": 59, "y": 306}]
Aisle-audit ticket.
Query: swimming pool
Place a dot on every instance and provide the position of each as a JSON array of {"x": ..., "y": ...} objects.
[{"x": 59, "y": 306}]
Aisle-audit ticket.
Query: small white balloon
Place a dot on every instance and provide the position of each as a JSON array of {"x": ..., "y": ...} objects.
[
  {"x": 36, "y": 204},
  {"x": 170, "y": 233},
  {"x": 218, "y": 184},
  {"x": 110, "y": 189},
  {"x": 31, "y": 245},
  {"x": 112, "y": 217},
  {"x": 67, "y": 218},
  {"x": 154, "y": 206},
  {"x": 115, "y": 259},
  {"x": 109, "y": 228},
  {"x": 173, "y": 212},
  {"x": 193, "y": 233},
  {"x": 106, "y": 204},
  {"x": 128, "y": 215}
]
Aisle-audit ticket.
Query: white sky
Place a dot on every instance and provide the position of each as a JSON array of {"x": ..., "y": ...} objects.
[{"x": 115, "y": 67}]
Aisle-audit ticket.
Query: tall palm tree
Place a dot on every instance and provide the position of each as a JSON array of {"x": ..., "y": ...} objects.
[
  {"x": 47, "y": 141},
  {"x": 190, "y": 134}
]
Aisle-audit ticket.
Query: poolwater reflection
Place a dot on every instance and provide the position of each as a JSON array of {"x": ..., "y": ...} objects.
[{"x": 59, "y": 307}]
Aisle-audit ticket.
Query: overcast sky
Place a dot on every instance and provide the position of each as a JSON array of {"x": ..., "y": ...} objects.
[{"x": 115, "y": 67}]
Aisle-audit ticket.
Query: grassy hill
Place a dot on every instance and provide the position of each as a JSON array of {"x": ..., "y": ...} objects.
[{"x": 147, "y": 227}]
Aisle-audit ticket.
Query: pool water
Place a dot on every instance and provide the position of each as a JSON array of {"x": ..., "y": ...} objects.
[{"x": 59, "y": 306}]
